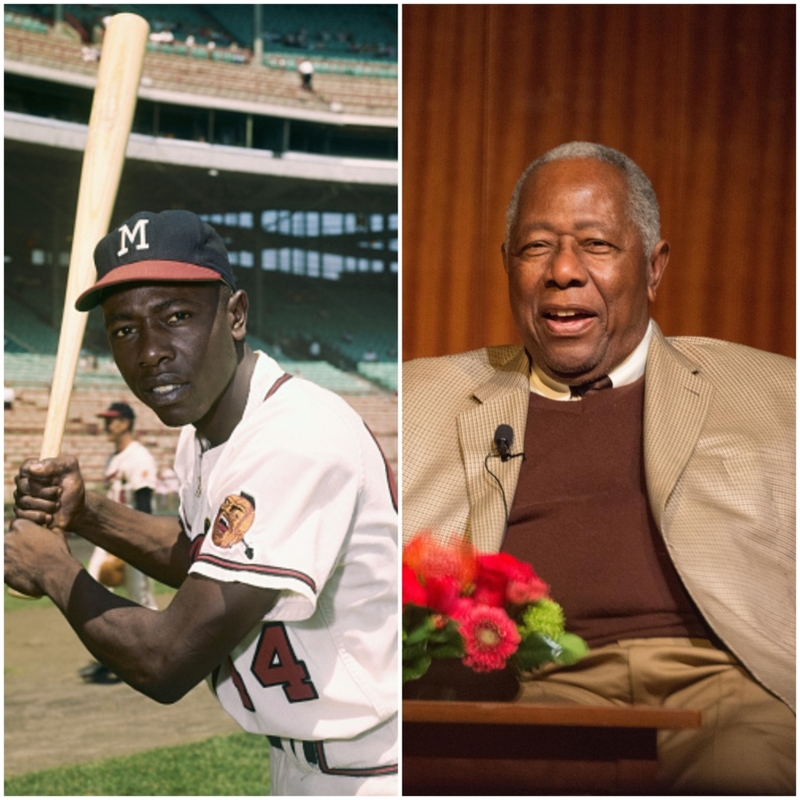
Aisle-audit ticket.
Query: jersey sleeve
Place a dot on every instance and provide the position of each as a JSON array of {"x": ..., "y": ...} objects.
[{"x": 280, "y": 508}]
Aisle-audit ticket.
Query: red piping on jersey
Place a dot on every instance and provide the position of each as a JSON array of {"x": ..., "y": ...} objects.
[
  {"x": 238, "y": 682},
  {"x": 277, "y": 385},
  {"x": 355, "y": 772},
  {"x": 194, "y": 548},
  {"x": 244, "y": 697},
  {"x": 314, "y": 753},
  {"x": 234, "y": 566}
]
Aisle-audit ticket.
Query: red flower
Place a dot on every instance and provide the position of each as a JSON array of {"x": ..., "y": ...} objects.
[
  {"x": 502, "y": 578},
  {"x": 429, "y": 559},
  {"x": 413, "y": 591},
  {"x": 490, "y": 638},
  {"x": 443, "y": 593}
]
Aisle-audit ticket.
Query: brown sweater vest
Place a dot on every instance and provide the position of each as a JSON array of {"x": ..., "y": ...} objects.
[{"x": 581, "y": 516}]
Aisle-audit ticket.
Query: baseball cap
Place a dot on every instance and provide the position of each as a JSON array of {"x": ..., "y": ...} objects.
[
  {"x": 116, "y": 410},
  {"x": 173, "y": 246}
]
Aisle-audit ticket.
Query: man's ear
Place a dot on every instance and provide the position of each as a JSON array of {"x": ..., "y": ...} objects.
[
  {"x": 655, "y": 268},
  {"x": 504, "y": 254},
  {"x": 238, "y": 306}
]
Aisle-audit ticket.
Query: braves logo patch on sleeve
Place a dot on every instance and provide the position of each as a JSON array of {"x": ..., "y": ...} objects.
[{"x": 233, "y": 520}]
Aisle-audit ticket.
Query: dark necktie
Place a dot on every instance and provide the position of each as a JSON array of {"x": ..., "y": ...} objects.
[{"x": 603, "y": 382}]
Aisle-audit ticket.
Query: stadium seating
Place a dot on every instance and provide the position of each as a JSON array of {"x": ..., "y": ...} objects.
[
  {"x": 36, "y": 370},
  {"x": 383, "y": 374},
  {"x": 27, "y": 331},
  {"x": 365, "y": 33},
  {"x": 20, "y": 19},
  {"x": 349, "y": 88},
  {"x": 348, "y": 319}
]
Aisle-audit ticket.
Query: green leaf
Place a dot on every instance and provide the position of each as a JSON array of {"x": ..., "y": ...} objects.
[
  {"x": 573, "y": 648},
  {"x": 412, "y": 672},
  {"x": 422, "y": 632},
  {"x": 449, "y": 633},
  {"x": 536, "y": 650},
  {"x": 455, "y": 650},
  {"x": 414, "y": 651}
]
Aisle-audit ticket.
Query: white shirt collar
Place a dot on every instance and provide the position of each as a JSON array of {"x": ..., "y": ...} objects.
[{"x": 630, "y": 370}]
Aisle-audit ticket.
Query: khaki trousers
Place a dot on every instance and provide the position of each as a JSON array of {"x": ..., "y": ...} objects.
[{"x": 746, "y": 744}]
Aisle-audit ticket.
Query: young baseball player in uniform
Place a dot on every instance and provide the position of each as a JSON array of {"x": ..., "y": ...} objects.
[{"x": 285, "y": 548}]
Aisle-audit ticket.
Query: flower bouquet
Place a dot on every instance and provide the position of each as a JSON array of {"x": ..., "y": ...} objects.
[{"x": 472, "y": 621}]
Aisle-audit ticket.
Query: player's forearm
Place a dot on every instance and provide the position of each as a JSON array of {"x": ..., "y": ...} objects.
[
  {"x": 162, "y": 654},
  {"x": 155, "y": 545},
  {"x": 130, "y": 640}
]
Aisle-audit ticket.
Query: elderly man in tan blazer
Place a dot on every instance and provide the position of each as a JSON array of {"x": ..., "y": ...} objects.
[{"x": 649, "y": 480}]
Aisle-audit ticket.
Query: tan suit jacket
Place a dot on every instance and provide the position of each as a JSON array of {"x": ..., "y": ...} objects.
[{"x": 719, "y": 427}]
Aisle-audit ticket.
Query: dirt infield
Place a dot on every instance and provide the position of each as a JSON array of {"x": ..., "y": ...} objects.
[{"x": 53, "y": 718}]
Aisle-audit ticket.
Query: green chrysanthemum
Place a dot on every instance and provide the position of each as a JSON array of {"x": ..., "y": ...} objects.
[{"x": 544, "y": 617}]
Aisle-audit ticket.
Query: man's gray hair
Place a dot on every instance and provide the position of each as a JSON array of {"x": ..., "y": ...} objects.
[{"x": 642, "y": 202}]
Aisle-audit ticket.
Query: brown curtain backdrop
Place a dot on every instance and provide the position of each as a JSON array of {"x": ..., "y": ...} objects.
[{"x": 701, "y": 97}]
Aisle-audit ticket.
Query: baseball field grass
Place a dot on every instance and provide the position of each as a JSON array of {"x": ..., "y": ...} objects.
[
  {"x": 222, "y": 766},
  {"x": 66, "y": 737}
]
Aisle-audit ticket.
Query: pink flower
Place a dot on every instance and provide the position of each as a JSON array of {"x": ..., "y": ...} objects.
[
  {"x": 530, "y": 591},
  {"x": 490, "y": 638}
]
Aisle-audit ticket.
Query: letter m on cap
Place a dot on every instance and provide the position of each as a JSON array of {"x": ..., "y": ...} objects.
[{"x": 128, "y": 235}]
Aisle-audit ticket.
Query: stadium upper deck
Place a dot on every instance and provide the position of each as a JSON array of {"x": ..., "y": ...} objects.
[{"x": 345, "y": 91}]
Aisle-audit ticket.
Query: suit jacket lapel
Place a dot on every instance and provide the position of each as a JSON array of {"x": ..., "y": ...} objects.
[
  {"x": 502, "y": 399},
  {"x": 676, "y": 402}
]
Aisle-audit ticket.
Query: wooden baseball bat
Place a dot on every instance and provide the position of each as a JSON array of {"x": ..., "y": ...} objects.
[
  {"x": 118, "y": 76},
  {"x": 121, "y": 61}
]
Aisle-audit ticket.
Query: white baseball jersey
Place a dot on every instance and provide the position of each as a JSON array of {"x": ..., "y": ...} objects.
[
  {"x": 128, "y": 471},
  {"x": 300, "y": 499}
]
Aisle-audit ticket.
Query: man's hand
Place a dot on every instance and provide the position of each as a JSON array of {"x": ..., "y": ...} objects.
[
  {"x": 29, "y": 550},
  {"x": 50, "y": 492}
]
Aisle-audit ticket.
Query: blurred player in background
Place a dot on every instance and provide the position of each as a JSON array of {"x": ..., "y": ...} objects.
[{"x": 130, "y": 477}]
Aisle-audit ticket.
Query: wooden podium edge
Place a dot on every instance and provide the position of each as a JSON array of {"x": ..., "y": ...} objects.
[{"x": 634, "y": 716}]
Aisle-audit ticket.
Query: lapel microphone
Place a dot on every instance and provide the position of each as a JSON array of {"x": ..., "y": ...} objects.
[{"x": 503, "y": 439}]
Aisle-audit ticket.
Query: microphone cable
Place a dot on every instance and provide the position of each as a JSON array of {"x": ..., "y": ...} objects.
[
  {"x": 507, "y": 457},
  {"x": 497, "y": 480}
]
